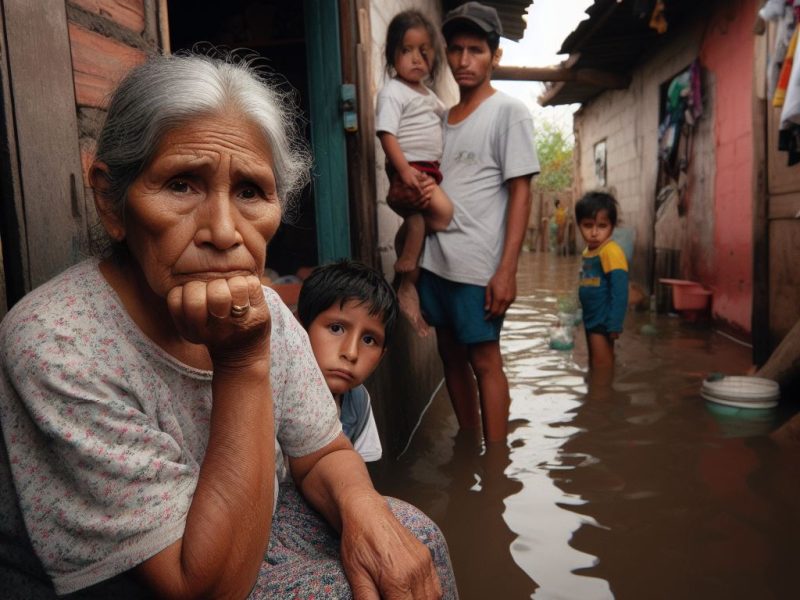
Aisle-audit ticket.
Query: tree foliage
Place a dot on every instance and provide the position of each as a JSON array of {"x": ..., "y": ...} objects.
[{"x": 554, "y": 148}]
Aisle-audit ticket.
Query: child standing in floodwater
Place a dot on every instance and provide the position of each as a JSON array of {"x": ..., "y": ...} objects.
[
  {"x": 409, "y": 125},
  {"x": 603, "y": 290}
]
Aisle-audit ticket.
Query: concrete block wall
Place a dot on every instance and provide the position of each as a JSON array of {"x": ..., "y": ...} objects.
[
  {"x": 107, "y": 38},
  {"x": 628, "y": 122},
  {"x": 717, "y": 246}
]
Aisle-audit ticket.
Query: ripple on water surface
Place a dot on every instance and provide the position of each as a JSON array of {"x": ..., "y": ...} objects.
[{"x": 638, "y": 491}]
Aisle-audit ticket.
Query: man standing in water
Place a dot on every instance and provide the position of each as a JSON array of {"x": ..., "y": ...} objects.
[{"x": 468, "y": 277}]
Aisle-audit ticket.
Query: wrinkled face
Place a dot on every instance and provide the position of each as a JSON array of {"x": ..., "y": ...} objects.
[
  {"x": 471, "y": 60},
  {"x": 412, "y": 59},
  {"x": 348, "y": 344},
  {"x": 205, "y": 207},
  {"x": 596, "y": 230}
]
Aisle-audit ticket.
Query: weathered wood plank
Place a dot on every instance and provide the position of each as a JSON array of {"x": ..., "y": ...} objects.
[
  {"x": 361, "y": 143},
  {"x": 3, "y": 303},
  {"x": 12, "y": 224},
  {"x": 760, "y": 316},
  {"x": 128, "y": 13},
  {"x": 783, "y": 213},
  {"x": 47, "y": 136},
  {"x": 163, "y": 27},
  {"x": 785, "y": 206},
  {"x": 603, "y": 79},
  {"x": 784, "y": 276}
]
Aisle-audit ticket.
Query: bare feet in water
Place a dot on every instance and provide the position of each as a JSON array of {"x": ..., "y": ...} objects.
[{"x": 409, "y": 305}]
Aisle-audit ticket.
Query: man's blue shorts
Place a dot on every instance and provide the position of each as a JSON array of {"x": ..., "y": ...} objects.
[{"x": 457, "y": 307}]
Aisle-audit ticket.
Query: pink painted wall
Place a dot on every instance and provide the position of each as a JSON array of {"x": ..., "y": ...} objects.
[{"x": 728, "y": 53}]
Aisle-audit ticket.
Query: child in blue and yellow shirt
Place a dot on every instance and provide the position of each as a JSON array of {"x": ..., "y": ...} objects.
[{"x": 603, "y": 290}]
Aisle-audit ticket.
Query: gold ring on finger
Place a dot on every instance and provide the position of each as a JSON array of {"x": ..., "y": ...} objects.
[{"x": 239, "y": 311}]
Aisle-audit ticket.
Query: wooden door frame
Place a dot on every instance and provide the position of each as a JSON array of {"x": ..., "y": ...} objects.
[
  {"x": 760, "y": 335},
  {"x": 330, "y": 183},
  {"x": 12, "y": 229},
  {"x": 356, "y": 44},
  {"x": 43, "y": 206}
]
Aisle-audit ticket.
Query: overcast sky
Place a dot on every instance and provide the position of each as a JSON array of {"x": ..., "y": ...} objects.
[{"x": 549, "y": 23}]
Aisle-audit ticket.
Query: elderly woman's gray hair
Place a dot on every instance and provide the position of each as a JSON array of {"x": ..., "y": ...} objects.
[{"x": 168, "y": 91}]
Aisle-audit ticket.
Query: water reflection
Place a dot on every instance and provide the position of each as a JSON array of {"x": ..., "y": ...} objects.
[
  {"x": 700, "y": 511},
  {"x": 463, "y": 487},
  {"x": 631, "y": 489}
]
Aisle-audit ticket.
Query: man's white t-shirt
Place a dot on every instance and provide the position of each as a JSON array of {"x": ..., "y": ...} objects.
[{"x": 492, "y": 145}]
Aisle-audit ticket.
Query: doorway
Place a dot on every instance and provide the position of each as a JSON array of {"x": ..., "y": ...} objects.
[{"x": 273, "y": 33}]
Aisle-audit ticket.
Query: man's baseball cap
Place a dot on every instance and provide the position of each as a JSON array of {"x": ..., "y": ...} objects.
[{"x": 485, "y": 17}]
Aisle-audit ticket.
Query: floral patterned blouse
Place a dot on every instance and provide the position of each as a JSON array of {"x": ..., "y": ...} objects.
[{"x": 104, "y": 432}]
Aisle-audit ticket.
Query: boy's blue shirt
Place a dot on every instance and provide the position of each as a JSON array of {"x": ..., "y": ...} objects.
[
  {"x": 355, "y": 412},
  {"x": 603, "y": 290}
]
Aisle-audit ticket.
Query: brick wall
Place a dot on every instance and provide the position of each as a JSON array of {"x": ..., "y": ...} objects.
[{"x": 107, "y": 38}]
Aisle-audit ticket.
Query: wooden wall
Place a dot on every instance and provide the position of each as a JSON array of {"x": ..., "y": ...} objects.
[
  {"x": 406, "y": 379},
  {"x": 61, "y": 61}
]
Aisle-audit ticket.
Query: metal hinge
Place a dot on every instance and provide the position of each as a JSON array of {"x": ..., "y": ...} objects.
[{"x": 349, "y": 107}]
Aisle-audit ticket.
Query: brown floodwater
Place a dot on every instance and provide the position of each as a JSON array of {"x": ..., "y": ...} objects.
[{"x": 643, "y": 490}]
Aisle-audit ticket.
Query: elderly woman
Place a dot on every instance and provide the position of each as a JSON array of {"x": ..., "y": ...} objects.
[{"x": 148, "y": 398}]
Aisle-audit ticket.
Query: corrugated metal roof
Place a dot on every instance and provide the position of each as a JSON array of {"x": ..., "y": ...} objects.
[
  {"x": 614, "y": 39},
  {"x": 509, "y": 11}
]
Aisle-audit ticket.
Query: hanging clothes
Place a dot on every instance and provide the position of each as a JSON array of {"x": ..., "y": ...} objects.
[
  {"x": 683, "y": 106},
  {"x": 783, "y": 35},
  {"x": 786, "y": 71},
  {"x": 789, "y": 134},
  {"x": 772, "y": 10},
  {"x": 789, "y": 142},
  {"x": 790, "y": 114}
]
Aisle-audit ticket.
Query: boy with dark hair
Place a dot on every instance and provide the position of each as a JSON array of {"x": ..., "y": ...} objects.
[
  {"x": 603, "y": 290},
  {"x": 349, "y": 311}
]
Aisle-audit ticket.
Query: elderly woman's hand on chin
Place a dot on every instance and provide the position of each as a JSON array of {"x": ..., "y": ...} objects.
[
  {"x": 152, "y": 394},
  {"x": 228, "y": 316}
]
